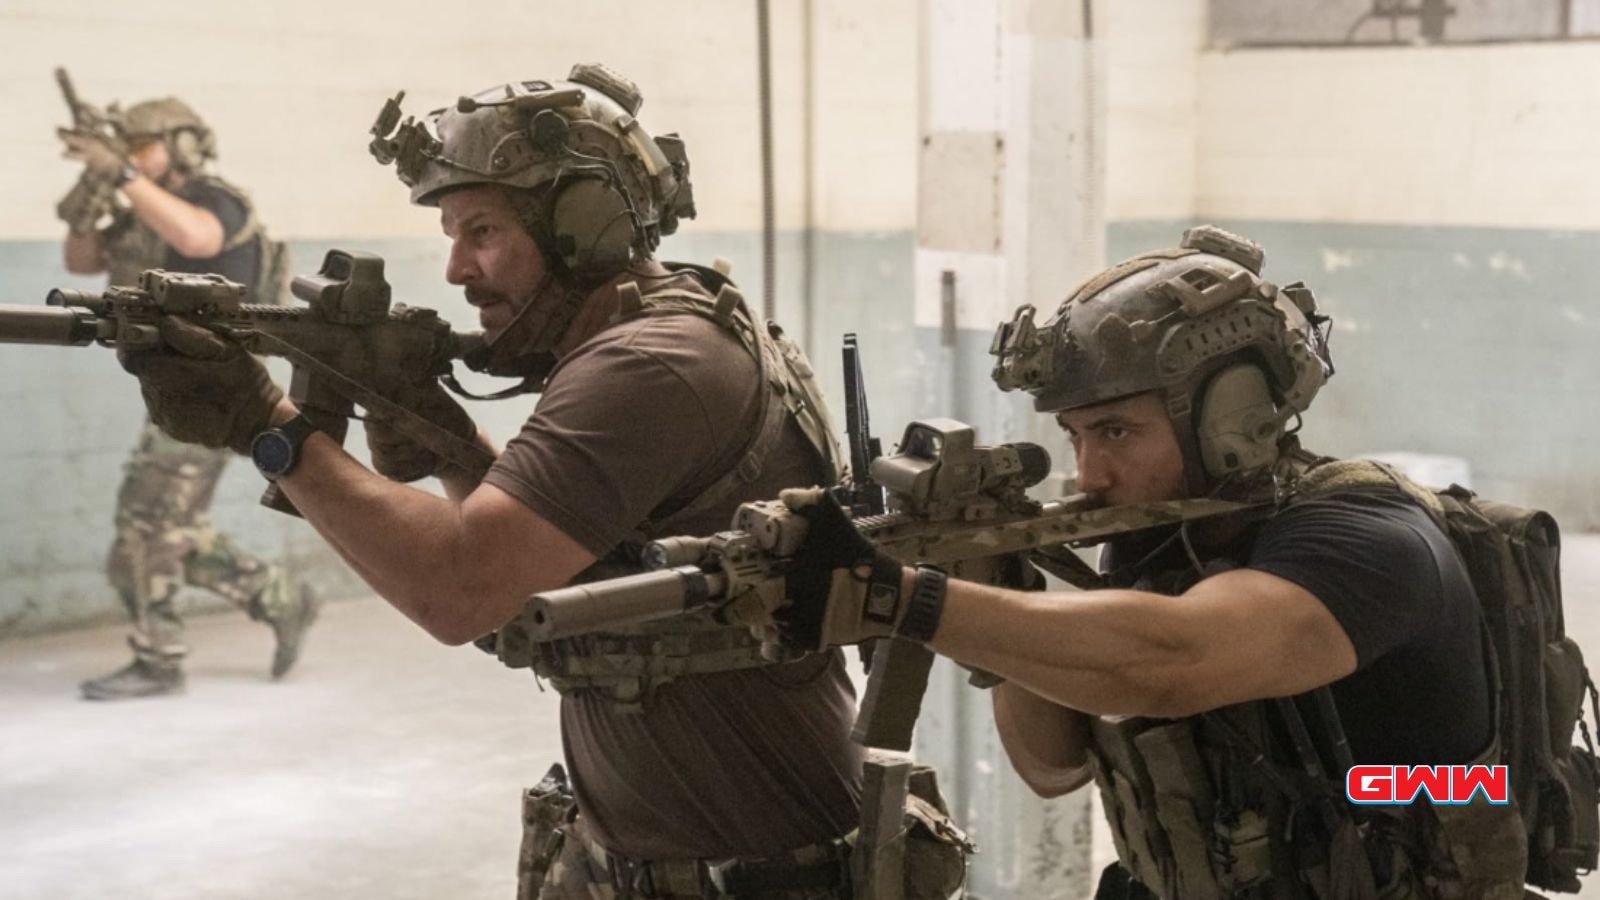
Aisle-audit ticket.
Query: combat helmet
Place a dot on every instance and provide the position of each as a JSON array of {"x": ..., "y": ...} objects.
[
  {"x": 610, "y": 190},
  {"x": 190, "y": 142},
  {"x": 595, "y": 191},
  {"x": 1234, "y": 357}
]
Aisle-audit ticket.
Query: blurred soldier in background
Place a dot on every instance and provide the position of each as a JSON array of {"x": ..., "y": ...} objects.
[{"x": 145, "y": 201}]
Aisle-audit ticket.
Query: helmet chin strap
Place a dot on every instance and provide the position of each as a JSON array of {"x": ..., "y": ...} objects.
[{"x": 533, "y": 359}]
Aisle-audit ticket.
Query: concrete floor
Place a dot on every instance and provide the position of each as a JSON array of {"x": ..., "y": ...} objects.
[{"x": 384, "y": 766}]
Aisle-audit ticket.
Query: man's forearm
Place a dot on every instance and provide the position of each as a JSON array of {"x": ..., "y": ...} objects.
[
  {"x": 410, "y": 546},
  {"x": 194, "y": 232},
  {"x": 1102, "y": 652},
  {"x": 457, "y": 484}
]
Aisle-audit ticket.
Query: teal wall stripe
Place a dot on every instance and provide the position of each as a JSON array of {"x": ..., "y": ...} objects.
[{"x": 1472, "y": 342}]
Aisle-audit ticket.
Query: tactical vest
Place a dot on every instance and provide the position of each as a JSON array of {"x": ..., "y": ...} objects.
[
  {"x": 132, "y": 247},
  {"x": 626, "y": 665},
  {"x": 1248, "y": 800},
  {"x": 271, "y": 282}
]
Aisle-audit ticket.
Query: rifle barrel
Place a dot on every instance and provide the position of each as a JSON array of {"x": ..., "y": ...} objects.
[
  {"x": 47, "y": 325},
  {"x": 65, "y": 82}
]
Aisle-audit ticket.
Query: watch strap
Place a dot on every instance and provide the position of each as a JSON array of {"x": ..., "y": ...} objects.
[{"x": 926, "y": 605}]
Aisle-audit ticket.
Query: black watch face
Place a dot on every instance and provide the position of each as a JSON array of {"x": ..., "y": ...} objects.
[{"x": 272, "y": 452}]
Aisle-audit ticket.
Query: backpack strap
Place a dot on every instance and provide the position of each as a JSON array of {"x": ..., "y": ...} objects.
[{"x": 1338, "y": 475}]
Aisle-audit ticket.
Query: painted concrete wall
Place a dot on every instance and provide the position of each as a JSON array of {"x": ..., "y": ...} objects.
[
  {"x": 291, "y": 89},
  {"x": 1152, "y": 95},
  {"x": 1500, "y": 136},
  {"x": 1442, "y": 203}
]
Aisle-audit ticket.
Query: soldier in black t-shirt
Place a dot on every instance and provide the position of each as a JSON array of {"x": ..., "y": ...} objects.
[
  {"x": 1176, "y": 374},
  {"x": 176, "y": 215}
]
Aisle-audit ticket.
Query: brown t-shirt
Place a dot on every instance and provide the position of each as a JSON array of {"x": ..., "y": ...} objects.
[{"x": 644, "y": 416}]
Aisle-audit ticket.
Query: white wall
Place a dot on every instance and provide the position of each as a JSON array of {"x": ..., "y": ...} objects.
[
  {"x": 1499, "y": 135},
  {"x": 865, "y": 122},
  {"x": 1493, "y": 135},
  {"x": 1152, "y": 50},
  {"x": 291, "y": 88}
]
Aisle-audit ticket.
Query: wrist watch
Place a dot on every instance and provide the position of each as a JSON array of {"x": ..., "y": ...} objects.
[
  {"x": 926, "y": 606},
  {"x": 276, "y": 451},
  {"x": 124, "y": 175}
]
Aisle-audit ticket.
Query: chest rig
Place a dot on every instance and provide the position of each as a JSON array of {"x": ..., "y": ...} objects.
[
  {"x": 132, "y": 247},
  {"x": 627, "y": 665},
  {"x": 1247, "y": 801}
]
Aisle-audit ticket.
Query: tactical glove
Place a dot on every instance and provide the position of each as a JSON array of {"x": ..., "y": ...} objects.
[
  {"x": 94, "y": 153},
  {"x": 201, "y": 389},
  {"x": 841, "y": 588},
  {"x": 396, "y": 455},
  {"x": 91, "y": 199}
]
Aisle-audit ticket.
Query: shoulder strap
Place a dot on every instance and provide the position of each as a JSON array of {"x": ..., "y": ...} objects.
[
  {"x": 781, "y": 367},
  {"x": 1353, "y": 474}
]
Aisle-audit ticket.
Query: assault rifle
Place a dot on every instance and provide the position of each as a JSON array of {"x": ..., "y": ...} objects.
[
  {"x": 952, "y": 503},
  {"x": 346, "y": 346},
  {"x": 93, "y": 197}
]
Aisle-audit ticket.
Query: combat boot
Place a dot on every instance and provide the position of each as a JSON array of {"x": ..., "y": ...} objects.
[
  {"x": 140, "y": 678},
  {"x": 289, "y": 626}
]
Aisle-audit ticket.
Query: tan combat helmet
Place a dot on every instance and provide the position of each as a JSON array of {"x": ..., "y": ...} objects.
[
  {"x": 1235, "y": 357},
  {"x": 606, "y": 190},
  {"x": 189, "y": 140}
]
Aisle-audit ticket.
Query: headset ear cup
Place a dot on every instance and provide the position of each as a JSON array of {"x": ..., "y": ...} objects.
[
  {"x": 205, "y": 145},
  {"x": 1239, "y": 426},
  {"x": 593, "y": 228},
  {"x": 185, "y": 146}
]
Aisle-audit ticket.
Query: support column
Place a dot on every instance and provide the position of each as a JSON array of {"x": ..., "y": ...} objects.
[{"x": 1009, "y": 212}]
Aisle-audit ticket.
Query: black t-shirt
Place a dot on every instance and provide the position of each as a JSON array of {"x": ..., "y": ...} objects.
[
  {"x": 241, "y": 263},
  {"x": 1393, "y": 581}
]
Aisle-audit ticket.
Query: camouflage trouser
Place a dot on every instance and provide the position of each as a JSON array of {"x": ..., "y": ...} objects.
[{"x": 164, "y": 540}]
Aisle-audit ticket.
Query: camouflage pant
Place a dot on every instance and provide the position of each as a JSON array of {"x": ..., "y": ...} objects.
[{"x": 165, "y": 540}]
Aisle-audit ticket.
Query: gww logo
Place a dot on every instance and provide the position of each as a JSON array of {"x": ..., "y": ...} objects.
[{"x": 1402, "y": 785}]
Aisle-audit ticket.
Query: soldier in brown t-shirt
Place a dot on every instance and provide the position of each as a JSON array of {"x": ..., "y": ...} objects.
[{"x": 699, "y": 768}]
